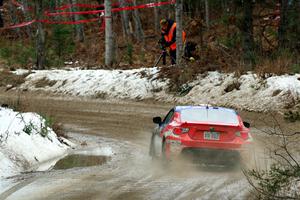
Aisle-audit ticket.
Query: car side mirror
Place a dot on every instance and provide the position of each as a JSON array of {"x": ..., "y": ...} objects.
[
  {"x": 157, "y": 120},
  {"x": 246, "y": 124}
]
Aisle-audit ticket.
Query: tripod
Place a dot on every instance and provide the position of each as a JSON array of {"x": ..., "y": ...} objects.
[{"x": 163, "y": 55}]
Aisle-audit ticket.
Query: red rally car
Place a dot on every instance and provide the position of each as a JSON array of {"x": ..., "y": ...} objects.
[{"x": 214, "y": 133}]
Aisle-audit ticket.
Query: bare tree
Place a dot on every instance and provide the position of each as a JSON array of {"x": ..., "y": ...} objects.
[
  {"x": 179, "y": 29},
  {"x": 79, "y": 32},
  {"x": 275, "y": 182},
  {"x": 207, "y": 14},
  {"x": 27, "y": 16},
  {"x": 138, "y": 24},
  {"x": 156, "y": 19},
  {"x": 40, "y": 37},
  {"x": 109, "y": 39},
  {"x": 14, "y": 18},
  {"x": 1, "y": 20},
  {"x": 53, "y": 5},
  {"x": 125, "y": 21},
  {"x": 282, "y": 30},
  {"x": 247, "y": 30}
]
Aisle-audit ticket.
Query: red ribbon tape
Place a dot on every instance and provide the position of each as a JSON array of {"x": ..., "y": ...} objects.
[
  {"x": 93, "y": 12},
  {"x": 148, "y": 5}
]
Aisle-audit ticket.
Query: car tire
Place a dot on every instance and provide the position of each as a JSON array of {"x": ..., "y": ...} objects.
[
  {"x": 151, "y": 148},
  {"x": 155, "y": 146}
]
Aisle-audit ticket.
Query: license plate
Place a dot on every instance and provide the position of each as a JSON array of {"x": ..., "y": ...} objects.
[{"x": 211, "y": 135}]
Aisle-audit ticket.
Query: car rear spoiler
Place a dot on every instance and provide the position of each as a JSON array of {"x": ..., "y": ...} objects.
[{"x": 209, "y": 124}]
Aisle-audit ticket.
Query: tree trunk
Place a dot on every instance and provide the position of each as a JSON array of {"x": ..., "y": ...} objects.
[
  {"x": 1, "y": 20},
  {"x": 57, "y": 3},
  {"x": 247, "y": 30},
  {"x": 198, "y": 9},
  {"x": 40, "y": 38},
  {"x": 14, "y": 19},
  {"x": 179, "y": 42},
  {"x": 207, "y": 14},
  {"x": 282, "y": 30},
  {"x": 296, "y": 41},
  {"x": 109, "y": 43},
  {"x": 156, "y": 19},
  {"x": 138, "y": 25},
  {"x": 79, "y": 32},
  {"x": 125, "y": 21},
  {"x": 101, "y": 22},
  {"x": 27, "y": 17}
]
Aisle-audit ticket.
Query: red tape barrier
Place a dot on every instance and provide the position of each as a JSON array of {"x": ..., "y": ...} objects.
[
  {"x": 68, "y": 6},
  {"x": 71, "y": 22},
  {"x": 94, "y": 12},
  {"x": 79, "y": 5},
  {"x": 19, "y": 25},
  {"x": 53, "y": 22},
  {"x": 148, "y": 5}
]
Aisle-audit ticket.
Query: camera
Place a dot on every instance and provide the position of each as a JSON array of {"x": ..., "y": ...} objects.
[{"x": 162, "y": 44}]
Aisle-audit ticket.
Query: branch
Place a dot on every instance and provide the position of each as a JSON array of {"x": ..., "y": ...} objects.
[
  {"x": 284, "y": 158},
  {"x": 262, "y": 191},
  {"x": 290, "y": 155}
]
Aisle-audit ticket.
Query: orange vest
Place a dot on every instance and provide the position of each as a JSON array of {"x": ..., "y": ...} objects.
[{"x": 169, "y": 37}]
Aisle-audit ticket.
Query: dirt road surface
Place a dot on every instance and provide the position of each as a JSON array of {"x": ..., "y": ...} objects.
[{"x": 125, "y": 128}]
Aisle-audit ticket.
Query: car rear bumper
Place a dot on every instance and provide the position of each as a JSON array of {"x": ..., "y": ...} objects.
[
  {"x": 176, "y": 145},
  {"x": 212, "y": 156}
]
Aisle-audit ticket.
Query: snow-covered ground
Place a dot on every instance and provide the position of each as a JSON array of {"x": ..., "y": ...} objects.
[
  {"x": 123, "y": 84},
  {"x": 26, "y": 143},
  {"x": 247, "y": 92}
]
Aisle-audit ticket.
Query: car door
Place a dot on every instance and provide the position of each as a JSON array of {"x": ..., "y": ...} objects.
[
  {"x": 166, "y": 121},
  {"x": 156, "y": 139}
]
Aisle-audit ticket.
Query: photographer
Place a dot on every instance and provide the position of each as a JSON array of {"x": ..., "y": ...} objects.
[{"x": 168, "y": 40}]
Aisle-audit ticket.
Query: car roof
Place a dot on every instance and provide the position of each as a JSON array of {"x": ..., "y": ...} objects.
[{"x": 208, "y": 107}]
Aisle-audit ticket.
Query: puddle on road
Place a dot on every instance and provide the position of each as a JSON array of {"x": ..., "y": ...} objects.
[{"x": 77, "y": 160}]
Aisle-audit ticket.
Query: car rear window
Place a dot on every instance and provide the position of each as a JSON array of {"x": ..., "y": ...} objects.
[{"x": 210, "y": 115}]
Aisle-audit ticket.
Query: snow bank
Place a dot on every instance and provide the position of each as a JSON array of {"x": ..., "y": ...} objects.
[
  {"x": 123, "y": 84},
  {"x": 25, "y": 142},
  {"x": 247, "y": 92}
]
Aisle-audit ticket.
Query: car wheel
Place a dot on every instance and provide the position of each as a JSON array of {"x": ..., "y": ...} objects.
[
  {"x": 151, "y": 149},
  {"x": 155, "y": 146}
]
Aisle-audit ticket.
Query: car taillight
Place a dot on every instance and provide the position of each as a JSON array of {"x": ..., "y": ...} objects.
[
  {"x": 243, "y": 135},
  {"x": 179, "y": 131}
]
